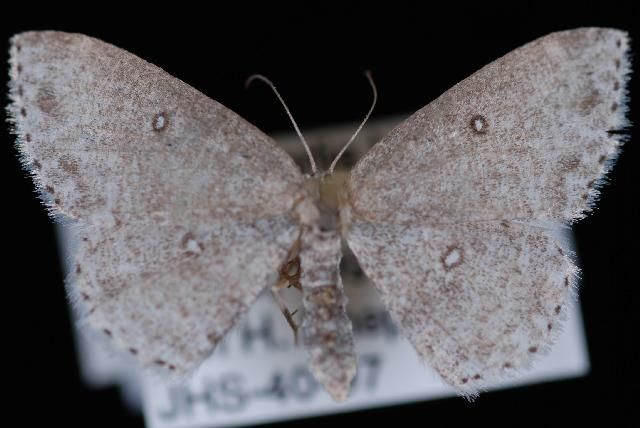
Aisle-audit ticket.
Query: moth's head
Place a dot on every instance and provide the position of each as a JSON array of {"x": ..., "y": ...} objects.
[
  {"x": 332, "y": 187},
  {"x": 322, "y": 198}
]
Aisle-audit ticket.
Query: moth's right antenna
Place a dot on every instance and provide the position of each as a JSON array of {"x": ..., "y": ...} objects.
[
  {"x": 251, "y": 78},
  {"x": 355, "y": 134}
]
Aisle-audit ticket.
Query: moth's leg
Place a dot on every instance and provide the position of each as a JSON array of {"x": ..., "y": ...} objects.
[
  {"x": 289, "y": 277},
  {"x": 291, "y": 273},
  {"x": 288, "y": 315}
]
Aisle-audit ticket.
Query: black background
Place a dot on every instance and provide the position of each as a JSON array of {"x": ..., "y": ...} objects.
[{"x": 316, "y": 55}]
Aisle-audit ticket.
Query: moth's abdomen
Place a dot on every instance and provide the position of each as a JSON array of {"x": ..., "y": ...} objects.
[{"x": 326, "y": 329}]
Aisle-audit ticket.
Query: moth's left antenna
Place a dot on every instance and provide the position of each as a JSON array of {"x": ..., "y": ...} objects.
[{"x": 251, "y": 78}]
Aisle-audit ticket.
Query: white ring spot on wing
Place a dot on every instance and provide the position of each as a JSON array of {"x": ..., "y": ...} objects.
[
  {"x": 479, "y": 124},
  {"x": 160, "y": 121},
  {"x": 452, "y": 257}
]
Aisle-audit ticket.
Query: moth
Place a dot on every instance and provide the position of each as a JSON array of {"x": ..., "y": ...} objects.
[{"x": 185, "y": 211}]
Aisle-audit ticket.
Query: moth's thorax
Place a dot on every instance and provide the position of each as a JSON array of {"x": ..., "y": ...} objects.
[{"x": 320, "y": 204}]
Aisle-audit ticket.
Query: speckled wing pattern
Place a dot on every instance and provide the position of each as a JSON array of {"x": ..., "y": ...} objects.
[
  {"x": 450, "y": 211},
  {"x": 182, "y": 206}
]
